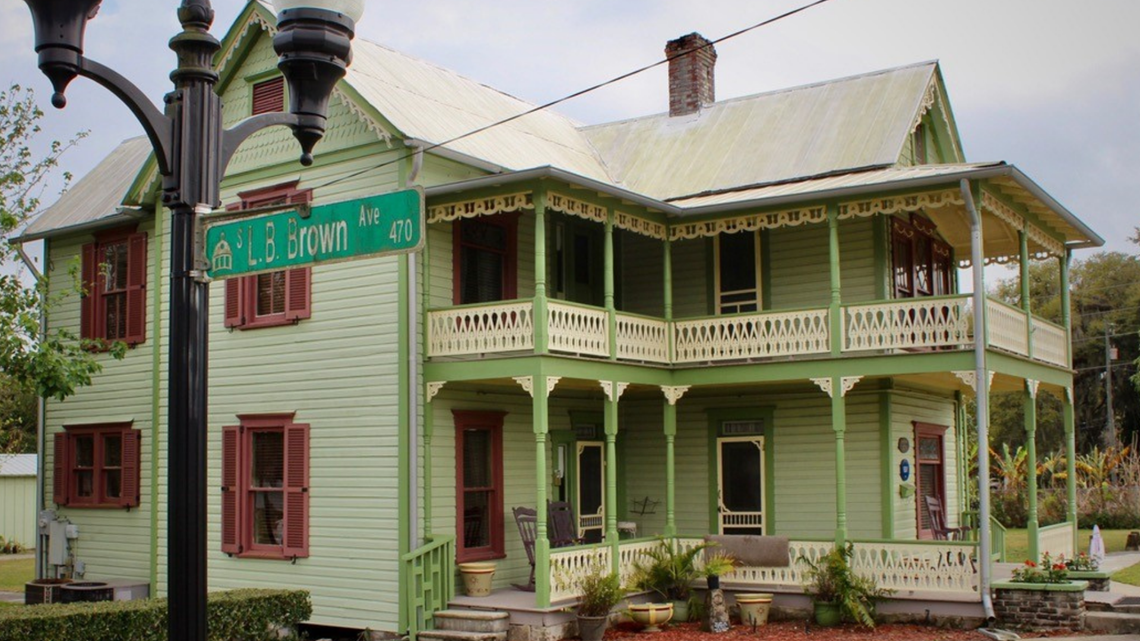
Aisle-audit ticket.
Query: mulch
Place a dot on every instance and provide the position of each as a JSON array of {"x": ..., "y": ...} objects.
[{"x": 795, "y": 631}]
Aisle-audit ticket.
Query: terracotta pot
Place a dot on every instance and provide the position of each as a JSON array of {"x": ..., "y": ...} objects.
[{"x": 754, "y": 608}]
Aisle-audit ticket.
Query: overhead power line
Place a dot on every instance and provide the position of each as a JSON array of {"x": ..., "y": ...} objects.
[{"x": 576, "y": 94}]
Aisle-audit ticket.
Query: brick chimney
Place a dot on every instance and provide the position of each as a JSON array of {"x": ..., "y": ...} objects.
[{"x": 690, "y": 74}]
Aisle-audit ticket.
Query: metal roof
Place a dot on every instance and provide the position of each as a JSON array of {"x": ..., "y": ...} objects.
[
  {"x": 17, "y": 464},
  {"x": 846, "y": 124},
  {"x": 97, "y": 196}
]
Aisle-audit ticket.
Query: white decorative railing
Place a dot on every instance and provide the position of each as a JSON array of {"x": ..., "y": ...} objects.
[
  {"x": 743, "y": 336},
  {"x": 569, "y": 566},
  {"x": 577, "y": 330},
  {"x": 942, "y": 570},
  {"x": 630, "y": 555},
  {"x": 788, "y": 577},
  {"x": 481, "y": 329},
  {"x": 907, "y": 324},
  {"x": 1050, "y": 343},
  {"x": 1008, "y": 328},
  {"x": 1056, "y": 540},
  {"x": 642, "y": 339}
]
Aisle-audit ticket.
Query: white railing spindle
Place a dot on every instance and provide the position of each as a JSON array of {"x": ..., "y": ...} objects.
[
  {"x": 907, "y": 324},
  {"x": 482, "y": 329}
]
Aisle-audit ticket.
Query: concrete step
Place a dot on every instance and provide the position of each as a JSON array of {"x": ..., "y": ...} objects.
[
  {"x": 472, "y": 620},
  {"x": 460, "y": 635},
  {"x": 1113, "y": 622}
]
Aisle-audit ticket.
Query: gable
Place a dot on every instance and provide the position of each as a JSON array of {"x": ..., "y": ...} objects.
[{"x": 934, "y": 123}]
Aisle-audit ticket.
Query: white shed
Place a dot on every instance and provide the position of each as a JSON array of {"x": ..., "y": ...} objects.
[{"x": 18, "y": 498}]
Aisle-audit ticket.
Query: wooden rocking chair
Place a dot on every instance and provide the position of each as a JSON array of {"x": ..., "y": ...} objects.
[
  {"x": 938, "y": 521},
  {"x": 527, "y": 521},
  {"x": 560, "y": 516}
]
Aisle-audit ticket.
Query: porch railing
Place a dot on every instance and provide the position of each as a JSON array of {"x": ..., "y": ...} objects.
[
  {"x": 1007, "y": 326},
  {"x": 577, "y": 329},
  {"x": 743, "y": 336},
  {"x": 997, "y": 540},
  {"x": 569, "y": 566},
  {"x": 943, "y": 570},
  {"x": 430, "y": 575},
  {"x": 906, "y": 324},
  {"x": 1050, "y": 342},
  {"x": 481, "y": 329},
  {"x": 1056, "y": 540},
  {"x": 641, "y": 338}
]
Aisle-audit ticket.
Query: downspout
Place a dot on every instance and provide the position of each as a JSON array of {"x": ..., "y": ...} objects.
[
  {"x": 981, "y": 387},
  {"x": 41, "y": 413},
  {"x": 413, "y": 377}
]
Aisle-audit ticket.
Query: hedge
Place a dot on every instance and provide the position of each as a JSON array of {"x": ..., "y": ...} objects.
[{"x": 236, "y": 615}]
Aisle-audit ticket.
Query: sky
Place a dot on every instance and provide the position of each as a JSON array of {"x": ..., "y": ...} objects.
[{"x": 1052, "y": 86}]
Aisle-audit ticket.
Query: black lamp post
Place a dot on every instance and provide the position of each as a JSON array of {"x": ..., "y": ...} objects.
[{"x": 192, "y": 150}]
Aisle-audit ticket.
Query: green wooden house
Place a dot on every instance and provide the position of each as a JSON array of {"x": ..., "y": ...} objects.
[{"x": 738, "y": 317}]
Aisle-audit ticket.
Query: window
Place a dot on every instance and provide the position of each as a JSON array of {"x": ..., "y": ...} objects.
[
  {"x": 268, "y": 96},
  {"x": 485, "y": 259},
  {"x": 922, "y": 265},
  {"x": 737, "y": 273},
  {"x": 276, "y": 298},
  {"x": 479, "y": 484},
  {"x": 265, "y": 487},
  {"x": 920, "y": 155},
  {"x": 97, "y": 466},
  {"x": 930, "y": 475},
  {"x": 113, "y": 307}
]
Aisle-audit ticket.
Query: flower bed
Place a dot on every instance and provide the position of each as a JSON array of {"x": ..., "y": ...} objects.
[{"x": 796, "y": 631}]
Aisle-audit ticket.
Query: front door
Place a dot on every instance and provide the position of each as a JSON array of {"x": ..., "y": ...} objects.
[
  {"x": 591, "y": 478},
  {"x": 740, "y": 490}
]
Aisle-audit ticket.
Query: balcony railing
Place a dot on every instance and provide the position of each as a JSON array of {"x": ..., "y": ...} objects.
[{"x": 911, "y": 325}]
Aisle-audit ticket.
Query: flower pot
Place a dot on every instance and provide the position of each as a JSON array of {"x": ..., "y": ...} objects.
[
  {"x": 681, "y": 610},
  {"x": 754, "y": 608},
  {"x": 477, "y": 578},
  {"x": 826, "y": 614},
  {"x": 651, "y": 615},
  {"x": 592, "y": 628}
]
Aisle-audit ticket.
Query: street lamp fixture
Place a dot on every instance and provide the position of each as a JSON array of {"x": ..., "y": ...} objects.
[{"x": 192, "y": 151}]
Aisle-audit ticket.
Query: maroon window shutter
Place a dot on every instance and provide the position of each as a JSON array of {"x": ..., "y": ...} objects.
[
  {"x": 301, "y": 197},
  {"x": 89, "y": 269},
  {"x": 136, "y": 289},
  {"x": 231, "y": 515},
  {"x": 60, "y": 470},
  {"x": 269, "y": 96},
  {"x": 297, "y": 293},
  {"x": 132, "y": 457},
  {"x": 296, "y": 542},
  {"x": 233, "y": 302}
]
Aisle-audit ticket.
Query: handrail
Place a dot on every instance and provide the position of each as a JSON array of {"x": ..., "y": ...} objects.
[
  {"x": 509, "y": 301},
  {"x": 429, "y": 582}
]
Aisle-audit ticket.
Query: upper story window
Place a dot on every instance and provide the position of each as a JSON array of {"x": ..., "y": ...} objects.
[
  {"x": 268, "y": 96},
  {"x": 265, "y": 487},
  {"x": 113, "y": 307},
  {"x": 921, "y": 264},
  {"x": 738, "y": 272},
  {"x": 479, "y": 484},
  {"x": 485, "y": 259},
  {"x": 276, "y": 298},
  {"x": 97, "y": 466}
]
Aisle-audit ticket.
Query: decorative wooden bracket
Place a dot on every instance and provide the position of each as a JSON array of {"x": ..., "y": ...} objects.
[
  {"x": 613, "y": 389},
  {"x": 432, "y": 388},
  {"x": 673, "y": 393}
]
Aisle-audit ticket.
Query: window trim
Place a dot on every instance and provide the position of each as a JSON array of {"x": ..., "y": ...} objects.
[
  {"x": 510, "y": 224},
  {"x": 911, "y": 232},
  {"x": 720, "y": 306},
  {"x": 928, "y": 430},
  {"x": 93, "y": 306},
  {"x": 491, "y": 421},
  {"x": 130, "y": 466}
]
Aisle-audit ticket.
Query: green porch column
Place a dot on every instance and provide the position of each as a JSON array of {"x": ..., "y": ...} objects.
[
  {"x": 429, "y": 431},
  {"x": 1070, "y": 462},
  {"x": 540, "y": 411},
  {"x": 608, "y": 281},
  {"x": 839, "y": 426},
  {"x": 1023, "y": 239},
  {"x": 835, "y": 311},
  {"x": 668, "y": 295},
  {"x": 540, "y": 321},
  {"x": 1066, "y": 306},
  {"x": 669, "y": 413},
  {"x": 613, "y": 391},
  {"x": 1031, "y": 465}
]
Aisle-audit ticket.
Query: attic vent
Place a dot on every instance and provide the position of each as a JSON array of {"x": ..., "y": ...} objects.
[
  {"x": 268, "y": 96},
  {"x": 742, "y": 428}
]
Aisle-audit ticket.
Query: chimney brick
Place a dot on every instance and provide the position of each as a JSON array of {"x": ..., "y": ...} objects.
[{"x": 691, "y": 78}]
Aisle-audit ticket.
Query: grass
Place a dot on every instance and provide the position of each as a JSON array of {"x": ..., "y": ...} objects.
[
  {"x": 1129, "y": 575},
  {"x": 1017, "y": 543},
  {"x": 14, "y": 574}
]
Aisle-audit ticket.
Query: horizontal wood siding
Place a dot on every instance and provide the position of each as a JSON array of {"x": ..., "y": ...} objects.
[
  {"x": 857, "y": 260},
  {"x": 907, "y": 407},
  {"x": 113, "y": 543},
  {"x": 799, "y": 264},
  {"x": 691, "y": 278},
  {"x": 18, "y": 509},
  {"x": 642, "y": 275}
]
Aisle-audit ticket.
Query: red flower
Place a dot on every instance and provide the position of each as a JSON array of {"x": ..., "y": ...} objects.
[
  {"x": 1058, "y": 566},
  {"x": 1030, "y": 564}
]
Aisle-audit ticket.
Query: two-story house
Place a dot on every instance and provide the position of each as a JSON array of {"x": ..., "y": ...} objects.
[{"x": 735, "y": 317}]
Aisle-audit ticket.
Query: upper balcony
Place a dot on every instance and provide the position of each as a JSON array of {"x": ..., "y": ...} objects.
[{"x": 883, "y": 327}]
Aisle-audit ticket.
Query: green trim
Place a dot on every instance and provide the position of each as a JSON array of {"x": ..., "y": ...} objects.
[
  {"x": 715, "y": 418},
  {"x": 1023, "y": 278},
  {"x": 403, "y": 527},
  {"x": 611, "y": 426},
  {"x": 881, "y": 240},
  {"x": 288, "y": 170},
  {"x": 669, "y": 427},
  {"x": 1083, "y": 574},
  {"x": 839, "y": 426},
  {"x": 608, "y": 285},
  {"x": 765, "y": 268},
  {"x": 1032, "y": 525},
  {"x": 886, "y": 467},
  {"x": 541, "y": 329},
  {"x": 1071, "y": 586},
  {"x": 541, "y": 426},
  {"x": 261, "y": 76},
  {"x": 1070, "y": 465},
  {"x": 156, "y": 385},
  {"x": 1019, "y": 367},
  {"x": 835, "y": 314},
  {"x": 1030, "y": 217},
  {"x": 711, "y": 269}
]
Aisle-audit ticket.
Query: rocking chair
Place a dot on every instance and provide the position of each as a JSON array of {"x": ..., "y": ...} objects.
[
  {"x": 938, "y": 521},
  {"x": 561, "y": 519},
  {"x": 527, "y": 521}
]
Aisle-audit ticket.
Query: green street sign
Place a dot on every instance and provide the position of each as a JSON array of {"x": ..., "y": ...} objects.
[{"x": 375, "y": 226}]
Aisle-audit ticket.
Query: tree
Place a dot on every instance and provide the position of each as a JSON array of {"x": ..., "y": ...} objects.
[
  {"x": 47, "y": 364},
  {"x": 18, "y": 414}
]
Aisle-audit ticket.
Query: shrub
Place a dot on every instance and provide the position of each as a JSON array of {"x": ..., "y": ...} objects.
[
  {"x": 1049, "y": 571},
  {"x": 601, "y": 591},
  {"x": 237, "y": 615},
  {"x": 830, "y": 579}
]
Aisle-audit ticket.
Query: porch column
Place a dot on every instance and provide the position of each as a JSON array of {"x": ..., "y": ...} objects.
[
  {"x": 1066, "y": 308},
  {"x": 608, "y": 280},
  {"x": 837, "y": 387},
  {"x": 429, "y": 431},
  {"x": 835, "y": 311},
  {"x": 1070, "y": 463},
  {"x": 1023, "y": 238},
  {"x": 613, "y": 390},
  {"x": 540, "y": 324},
  {"x": 667, "y": 272},
  {"x": 1031, "y": 465},
  {"x": 669, "y": 412},
  {"x": 539, "y": 394}
]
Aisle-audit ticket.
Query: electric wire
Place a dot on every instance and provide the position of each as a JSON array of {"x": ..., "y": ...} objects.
[{"x": 576, "y": 94}]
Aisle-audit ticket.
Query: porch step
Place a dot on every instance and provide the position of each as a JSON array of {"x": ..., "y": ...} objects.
[
  {"x": 1113, "y": 622},
  {"x": 476, "y": 621},
  {"x": 460, "y": 635}
]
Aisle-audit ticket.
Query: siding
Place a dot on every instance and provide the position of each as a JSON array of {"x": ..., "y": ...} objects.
[
  {"x": 439, "y": 236},
  {"x": 18, "y": 509},
  {"x": 691, "y": 278},
  {"x": 799, "y": 264},
  {"x": 642, "y": 276},
  {"x": 907, "y": 407}
]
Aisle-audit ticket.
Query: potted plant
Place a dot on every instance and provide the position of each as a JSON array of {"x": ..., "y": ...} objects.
[
  {"x": 601, "y": 591},
  {"x": 837, "y": 592},
  {"x": 1086, "y": 568},
  {"x": 670, "y": 573}
]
